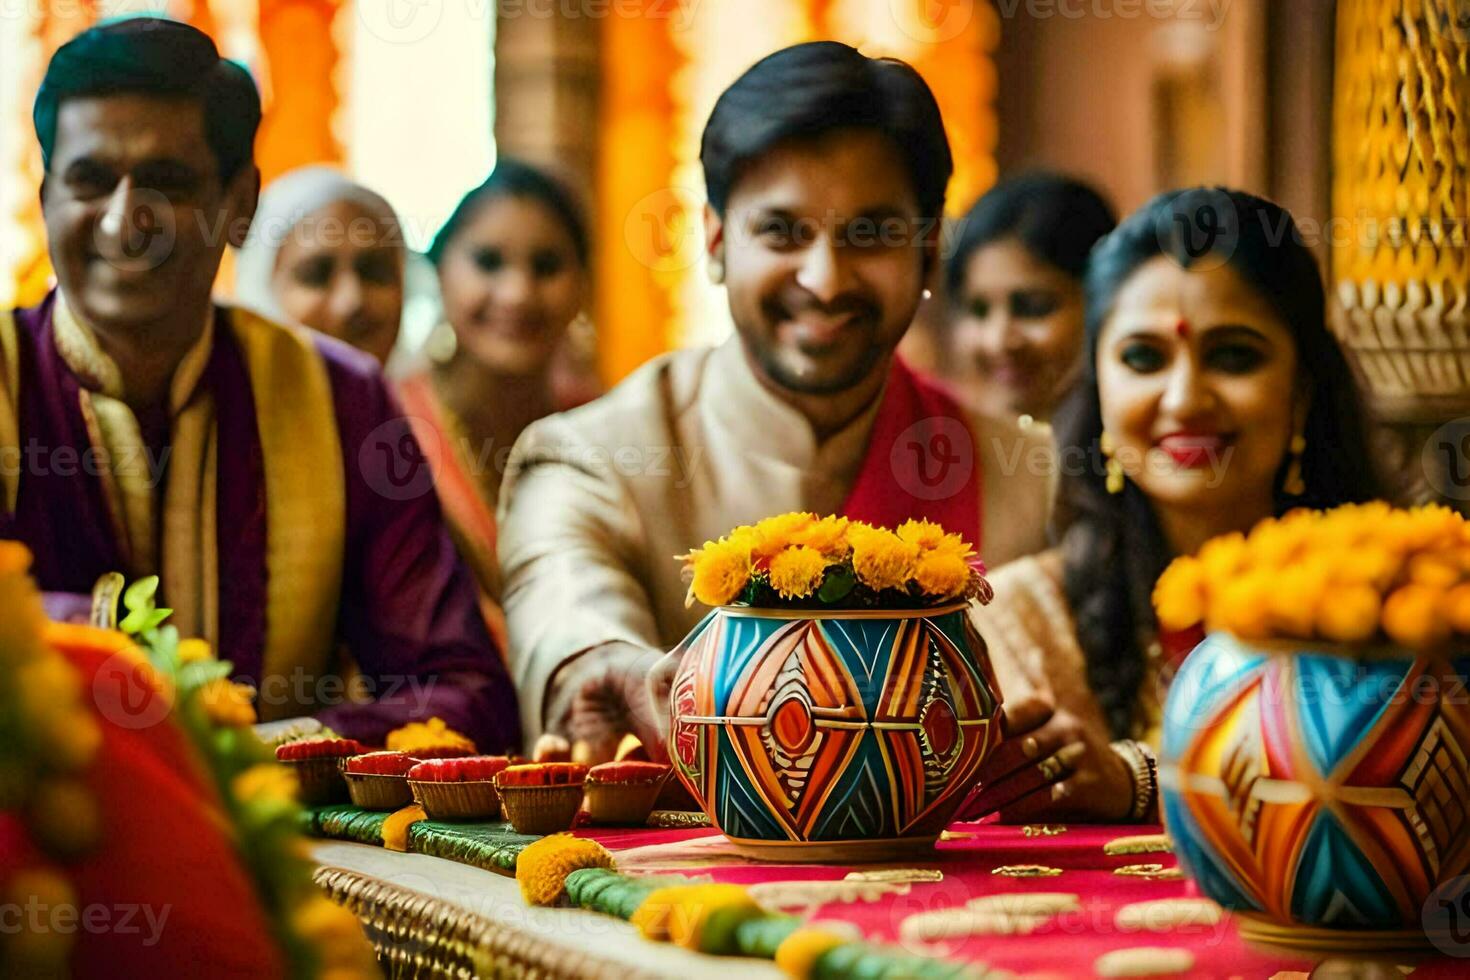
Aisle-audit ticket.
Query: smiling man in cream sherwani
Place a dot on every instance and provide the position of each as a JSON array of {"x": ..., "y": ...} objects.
[{"x": 826, "y": 173}]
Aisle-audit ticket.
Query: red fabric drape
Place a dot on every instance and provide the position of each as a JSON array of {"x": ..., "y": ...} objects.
[{"x": 921, "y": 461}]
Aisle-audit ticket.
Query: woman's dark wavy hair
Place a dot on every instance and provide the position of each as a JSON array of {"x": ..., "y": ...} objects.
[
  {"x": 1113, "y": 551},
  {"x": 516, "y": 178},
  {"x": 1058, "y": 219}
]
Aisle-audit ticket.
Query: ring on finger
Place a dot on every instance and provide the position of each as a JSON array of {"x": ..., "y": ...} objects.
[{"x": 1051, "y": 768}]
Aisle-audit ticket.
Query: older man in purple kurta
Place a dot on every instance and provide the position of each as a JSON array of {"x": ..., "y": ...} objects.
[{"x": 265, "y": 474}]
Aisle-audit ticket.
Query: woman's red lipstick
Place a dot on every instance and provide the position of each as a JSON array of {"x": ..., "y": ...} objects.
[{"x": 1193, "y": 450}]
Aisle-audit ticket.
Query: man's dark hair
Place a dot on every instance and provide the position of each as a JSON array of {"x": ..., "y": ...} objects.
[
  {"x": 808, "y": 90},
  {"x": 1057, "y": 219},
  {"x": 154, "y": 56}
]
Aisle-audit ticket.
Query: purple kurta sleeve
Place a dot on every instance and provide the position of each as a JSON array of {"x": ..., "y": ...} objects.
[{"x": 409, "y": 614}]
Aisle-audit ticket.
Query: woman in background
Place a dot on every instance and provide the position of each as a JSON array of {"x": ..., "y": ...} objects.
[
  {"x": 329, "y": 254},
  {"x": 513, "y": 271},
  {"x": 1014, "y": 340},
  {"x": 1212, "y": 397}
]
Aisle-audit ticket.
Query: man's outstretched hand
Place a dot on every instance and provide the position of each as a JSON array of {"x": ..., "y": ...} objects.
[{"x": 614, "y": 690}]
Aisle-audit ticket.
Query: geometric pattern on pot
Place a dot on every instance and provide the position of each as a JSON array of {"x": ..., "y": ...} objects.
[
  {"x": 831, "y": 729},
  {"x": 1318, "y": 789}
]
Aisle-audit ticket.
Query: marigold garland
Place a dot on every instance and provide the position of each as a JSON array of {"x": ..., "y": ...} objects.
[
  {"x": 797, "y": 956},
  {"x": 542, "y": 868},
  {"x": 722, "y": 919},
  {"x": 319, "y": 937},
  {"x": 1358, "y": 574},
  {"x": 701, "y": 917},
  {"x": 47, "y": 737},
  {"x": 801, "y": 560}
]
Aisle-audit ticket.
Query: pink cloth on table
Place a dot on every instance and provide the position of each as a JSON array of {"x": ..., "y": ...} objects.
[{"x": 1067, "y": 946}]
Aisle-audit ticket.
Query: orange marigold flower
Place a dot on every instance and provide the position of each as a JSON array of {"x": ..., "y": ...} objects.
[
  {"x": 265, "y": 782},
  {"x": 921, "y": 534},
  {"x": 1223, "y": 557},
  {"x": 1296, "y": 592},
  {"x": 1437, "y": 569},
  {"x": 1244, "y": 606},
  {"x": 798, "y": 953},
  {"x": 775, "y": 533},
  {"x": 1179, "y": 595},
  {"x": 745, "y": 536},
  {"x": 796, "y": 572},
  {"x": 542, "y": 868},
  {"x": 954, "y": 544},
  {"x": 1414, "y": 615},
  {"x": 1372, "y": 564},
  {"x": 23, "y": 623},
  {"x": 431, "y": 734},
  {"x": 828, "y": 535},
  {"x": 880, "y": 558},
  {"x": 51, "y": 714},
  {"x": 1457, "y": 608},
  {"x": 228, "y": 704},
  {"x": 679, "y": 914},
  {"x": 721, "y": 572},
  {"x": 942, "y": 574},
  {"x": 1433, "y": 526},
  {"x": 1350, "y": 615},
  {"x": 1276, "y": 543},
  {"x": 194, "y": 650},
  {"x": 343, "y": 948}
]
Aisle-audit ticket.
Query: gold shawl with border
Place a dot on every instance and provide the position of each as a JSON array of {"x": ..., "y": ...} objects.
[{"x": 305, "y": 486}]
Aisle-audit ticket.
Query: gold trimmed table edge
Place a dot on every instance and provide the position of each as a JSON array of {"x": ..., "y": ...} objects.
[
  {"x": 416, "y": 935},
  {"x": 476, "y": 925}
]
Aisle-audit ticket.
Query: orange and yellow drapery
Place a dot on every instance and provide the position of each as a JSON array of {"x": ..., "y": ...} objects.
[
  {"x": 299, "y": 78},
  {"x": 636, "y": 214},
  {"x": 297, "y": 65},
  {"x": 662, "y": 70}
]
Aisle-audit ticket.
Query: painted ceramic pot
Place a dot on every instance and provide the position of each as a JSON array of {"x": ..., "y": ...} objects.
[
  {"x": 811, "y": 735},
  {"x": 1321, "y": 793}
]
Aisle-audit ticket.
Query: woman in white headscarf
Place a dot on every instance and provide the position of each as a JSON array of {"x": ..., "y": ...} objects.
[{"x": 327, "y": 253}]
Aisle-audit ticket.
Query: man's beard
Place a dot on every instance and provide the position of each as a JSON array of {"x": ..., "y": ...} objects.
[
  {"x": 794, "y": 381},
  {"x": 769, "y": 352}
]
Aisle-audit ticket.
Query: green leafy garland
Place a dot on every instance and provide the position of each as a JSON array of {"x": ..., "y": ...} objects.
[{"x": 258, "y": 795}]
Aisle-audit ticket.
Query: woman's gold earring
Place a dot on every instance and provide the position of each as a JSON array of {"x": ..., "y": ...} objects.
[
  {"x": 441, "y": 343},
  {"x": 582, "y": 336},
  {"x": 1113, "y": 467},
  {"x": 1294, "y": 485},
  {"x": 717, "y": 271}
]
